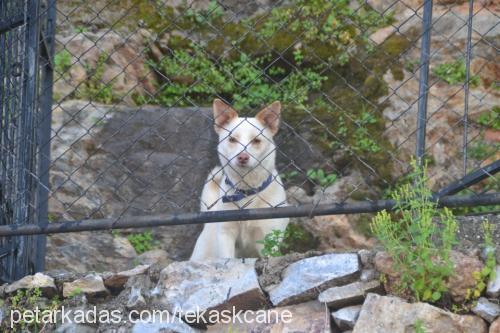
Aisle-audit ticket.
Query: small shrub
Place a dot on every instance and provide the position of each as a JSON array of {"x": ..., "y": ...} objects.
[
  {"x": 62, "y": 62},
  {"x": 488, "y": 272},
  {"x": 278, "y": 243},
  {"x": 320, "y": 177},
  {"x": 418, "y": 247},
  {"x": 491, "y": 119},
  {"x": 31, "y": 300},
  {"x": 481, "y": 150},
  {"x": 454, "y": 73},
  {"x": 142, "y": 241},
  {"x": 94, "y": 88},
  {"x": 289, "y": 176}
]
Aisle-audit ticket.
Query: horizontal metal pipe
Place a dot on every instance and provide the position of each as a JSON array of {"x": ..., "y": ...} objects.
[{"x": 234, "y": 215}]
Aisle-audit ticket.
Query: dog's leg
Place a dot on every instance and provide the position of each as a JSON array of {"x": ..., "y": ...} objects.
[
  {"x": 204, "y": 248},
  {"x": 227, "y": 233}
]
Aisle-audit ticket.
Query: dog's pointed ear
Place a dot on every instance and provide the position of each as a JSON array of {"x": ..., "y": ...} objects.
[
  {"x": 270, "y": 116},
  {"x": 223, "y": 114}
]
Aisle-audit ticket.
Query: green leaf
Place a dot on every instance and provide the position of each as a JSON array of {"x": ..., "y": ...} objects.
[{"x": 436, "y": 296}]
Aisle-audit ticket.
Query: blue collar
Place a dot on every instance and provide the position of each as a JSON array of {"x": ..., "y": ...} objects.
[{"x": 240, "y": 194}]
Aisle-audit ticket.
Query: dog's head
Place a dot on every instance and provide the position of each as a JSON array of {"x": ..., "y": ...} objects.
[{"x": 246, "y": 143}]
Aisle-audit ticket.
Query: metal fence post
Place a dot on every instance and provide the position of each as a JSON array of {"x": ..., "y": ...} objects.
[
  {"x": 423, "y": 81},
  {"x": 47, "y": 77}
]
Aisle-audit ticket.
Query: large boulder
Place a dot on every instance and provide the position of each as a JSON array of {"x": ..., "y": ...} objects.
[
  {"x": 305, "y": 279},
  {"x": 382, "y": 314},
  {"x": 214, "y": 285},
  {"x": 92, "y": 286},
  {"x": 40, "y": 281},
  {"x": 116, "y": 160},
  {"x": 310, "y": 317},
  {"x": 89, "y": 251}
]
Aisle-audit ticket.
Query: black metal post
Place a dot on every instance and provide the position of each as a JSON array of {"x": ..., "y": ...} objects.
[
  {"x": 424, "y": 81},
  {"x": 47, "y": 75},
  {"x": 466, "y": 87},
  {"x": 25, "y": 137}
]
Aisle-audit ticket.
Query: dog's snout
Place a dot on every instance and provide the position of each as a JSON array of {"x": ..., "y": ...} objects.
[{"x": 243, "y": 158}]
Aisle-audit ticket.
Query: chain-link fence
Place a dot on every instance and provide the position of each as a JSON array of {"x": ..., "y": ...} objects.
[{"x": 362, "y": 86}]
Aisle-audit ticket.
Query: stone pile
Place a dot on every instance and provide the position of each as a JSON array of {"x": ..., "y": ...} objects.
[{"x": 310, "y": 292}]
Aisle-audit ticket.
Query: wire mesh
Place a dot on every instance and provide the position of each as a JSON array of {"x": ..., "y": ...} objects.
[{"x": 134, "y": 84}]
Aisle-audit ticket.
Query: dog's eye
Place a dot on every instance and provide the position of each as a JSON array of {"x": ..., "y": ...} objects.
[
  {"x": 256, "y": 141},
  {"x": 232, "y": 140}
]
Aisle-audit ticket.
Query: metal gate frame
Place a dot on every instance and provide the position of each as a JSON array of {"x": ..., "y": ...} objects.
[{"x": 26, "y": 37}]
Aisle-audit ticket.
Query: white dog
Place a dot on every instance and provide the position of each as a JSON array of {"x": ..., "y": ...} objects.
[{"x": 246, "y": 179}]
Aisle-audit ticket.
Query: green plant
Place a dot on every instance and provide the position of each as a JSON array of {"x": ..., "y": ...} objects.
[
  {"x": 195, "y": 76},
  {"x": 418, "y": 247},
  {"x": 289, "y": 176},
  {"x": 142, "y": 241},
  {"x": 363, "y": 140},
  {"x": 490, "y": 119},
  {"x": 320, "y": 177},
  {"x": 480, "y": 150},
  {"x": 454, "y": 73},
  {"x": 412, "y": 65},
  {"x": 419, "y": 326},
  {"x": 62, "y": 61},
  {"x": 277, "y": 242},
  {"x": 29, "y": 300},
  {"x": 81, "y": 29},
  {"x": 488, "y": 272},
  {"x": 94, "y": 88},
  {"x": 76, "y": 292}
]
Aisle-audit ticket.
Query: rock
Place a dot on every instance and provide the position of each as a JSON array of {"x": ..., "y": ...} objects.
[
  {"x": 75, "y": 328},
  {"x": 136, "y": 300},
  {"x": 346, "y": 318},
  {"x": 350, "y": 294},
  {"x": 305, "y": 279},
  {"x": 379, "y": 36},
  {"x": 310, "y": 317},
  {"x": 83, "y": 252},
  {"x": 487, "y": 310},
  {"x": 382, "y": 314},
  {"x": 160, "y": 324},
  {"x": 121, "y": 58},
  {"x": 41, "y": 281},
  {"x": 213, "y": 285},
  {"x": 367, "y": 257},
  {"x": 91, "y": 286},
  {"x": 342, "y": 189},
  {"x": 159, "y": 257},
  {"x": 336, "y": 232},
  {"x": 118, "y": 280},
  {"x": 493, "y": 289},
  {"x": 110, "y": 166},
  {"x": 269, "y": 269},
  {"x": 138, "y": 292},
  {"x": 384, "y": 263},
  {"x": 495, "y": 326},
  {"x": 463, "y": 277},
  {"x": 298, "y": 196},
  {"x": 369, "y": 275}
]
